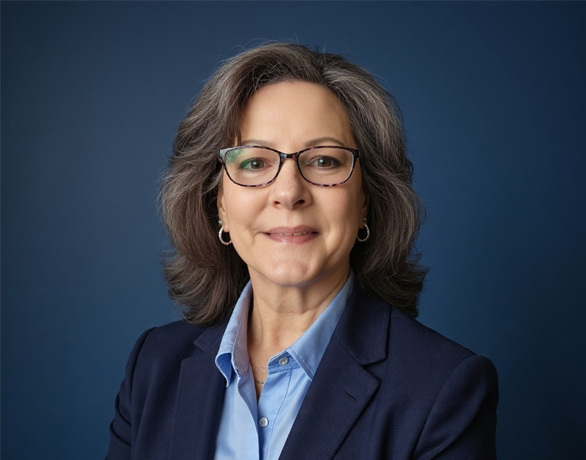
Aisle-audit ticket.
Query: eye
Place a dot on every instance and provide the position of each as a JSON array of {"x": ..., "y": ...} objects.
[
  {"x": 323, "y": 162},
  {"x": 327, "y": 162},
  {"x": 252, "y": 164}
]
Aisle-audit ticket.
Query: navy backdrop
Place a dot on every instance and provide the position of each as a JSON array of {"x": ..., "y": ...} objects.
[{"x": 494, "y": 102}]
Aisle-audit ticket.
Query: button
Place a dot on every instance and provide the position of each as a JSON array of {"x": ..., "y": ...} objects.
[
  {"x": 263, "y": 422},
  {"x": 284, "y": 360}
]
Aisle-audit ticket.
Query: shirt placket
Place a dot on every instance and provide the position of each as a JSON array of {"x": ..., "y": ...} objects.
[{"x": 271, "y": 400}]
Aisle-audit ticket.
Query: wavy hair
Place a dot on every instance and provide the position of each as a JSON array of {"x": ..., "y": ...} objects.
[{"x": 204, "y": 276}]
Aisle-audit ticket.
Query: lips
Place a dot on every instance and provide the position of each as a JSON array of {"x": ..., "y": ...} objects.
[{"x": 299, "y": 234}]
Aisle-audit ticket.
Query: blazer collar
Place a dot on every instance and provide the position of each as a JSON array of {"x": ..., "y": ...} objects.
[
  {"x": 364, "y": 327},
  {"x": 199, "y": 399},
  {"x": 342, "y": 386}
]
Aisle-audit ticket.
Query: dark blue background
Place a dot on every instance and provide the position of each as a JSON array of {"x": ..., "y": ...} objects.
[{"x": 494, "y": 102}]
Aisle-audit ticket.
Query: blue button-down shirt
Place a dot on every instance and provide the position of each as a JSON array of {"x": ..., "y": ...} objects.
[{"x": 258, "y": 431}]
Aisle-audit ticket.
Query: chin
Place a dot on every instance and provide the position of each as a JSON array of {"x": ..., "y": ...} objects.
[{"x": 289, "y": 273}]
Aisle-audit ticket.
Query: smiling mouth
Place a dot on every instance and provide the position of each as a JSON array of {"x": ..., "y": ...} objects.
[{"x": 292, "y": 235}]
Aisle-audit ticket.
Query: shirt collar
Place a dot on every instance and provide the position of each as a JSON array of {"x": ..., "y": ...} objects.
[
  {"x": 233, "y": 351},
  {"x": 307, "y": 349}
]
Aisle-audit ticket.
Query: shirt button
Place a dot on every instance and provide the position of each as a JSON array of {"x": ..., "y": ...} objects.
[
  {"x": 263, "y": 422},
  {"x": 284, "y": 360}
]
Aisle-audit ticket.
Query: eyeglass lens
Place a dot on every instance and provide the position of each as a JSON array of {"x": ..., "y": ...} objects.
[{"x": 252, "y": 166}]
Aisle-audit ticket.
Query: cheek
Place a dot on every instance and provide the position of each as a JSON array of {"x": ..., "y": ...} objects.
[
  {"x": 241, "y": 208},
  {"x": 344, "y": 215}
]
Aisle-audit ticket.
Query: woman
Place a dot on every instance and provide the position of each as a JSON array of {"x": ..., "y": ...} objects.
[{"x": 299, "y": 284}]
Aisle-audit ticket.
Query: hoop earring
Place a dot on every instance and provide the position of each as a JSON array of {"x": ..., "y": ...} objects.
[
  {"x": 220, "y": 233},
  {"x": 362, "y": 240}
]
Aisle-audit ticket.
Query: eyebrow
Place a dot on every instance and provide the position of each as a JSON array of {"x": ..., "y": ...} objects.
[{"x": 310, "y": 143}]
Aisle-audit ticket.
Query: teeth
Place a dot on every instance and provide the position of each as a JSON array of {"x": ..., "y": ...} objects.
[{"x": 293, "y": 234}]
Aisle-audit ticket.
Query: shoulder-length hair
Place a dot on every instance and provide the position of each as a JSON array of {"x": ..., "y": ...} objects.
[{"x": 206, "y": 277}]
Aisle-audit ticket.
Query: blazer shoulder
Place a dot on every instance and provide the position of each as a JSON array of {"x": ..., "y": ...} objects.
[
  {"x": 175, "y": 341},
  {"x": 172, "y": 335},
  {"x": 424, "y": 342},
  {"x": 457, "y": 392},
  {"x": 429, "y": 360},
  {"x": 441, "y": 391},
  {"x": 156, "y": 359}
]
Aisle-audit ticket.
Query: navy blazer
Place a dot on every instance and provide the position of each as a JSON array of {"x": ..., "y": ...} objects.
[{"x": 387, "y": 388}]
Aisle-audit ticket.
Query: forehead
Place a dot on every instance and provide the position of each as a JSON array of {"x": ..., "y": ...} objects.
[{"x": 295, "y": 112}]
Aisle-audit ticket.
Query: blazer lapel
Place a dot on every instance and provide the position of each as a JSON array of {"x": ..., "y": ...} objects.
[
  {"x": 342, "y": 387},
  {"x": 198, "y": 411}
]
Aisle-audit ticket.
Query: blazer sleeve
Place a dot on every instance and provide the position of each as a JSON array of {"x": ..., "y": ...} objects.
[
  {"x": 121, "y": 428},
  {"x": 462, "y": 421}
]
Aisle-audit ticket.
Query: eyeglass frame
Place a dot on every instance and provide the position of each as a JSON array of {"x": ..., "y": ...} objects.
[{"x": 294, "y": 156}]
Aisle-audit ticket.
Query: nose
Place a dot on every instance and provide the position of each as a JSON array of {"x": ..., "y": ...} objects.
[{"x": 289, "y": 189}]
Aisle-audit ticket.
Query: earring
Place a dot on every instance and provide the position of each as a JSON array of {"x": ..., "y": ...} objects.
[
  {"x": 220, "y": 233},
  {"x": 362, "y": 240}
]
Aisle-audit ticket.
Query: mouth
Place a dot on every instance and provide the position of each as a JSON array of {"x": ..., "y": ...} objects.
[
  {"x": 294, "y": 234},
  {"x": 299, "y": 234},
  {"x": 292, "y": 231}
]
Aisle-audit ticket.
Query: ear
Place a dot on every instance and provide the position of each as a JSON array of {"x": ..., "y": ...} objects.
[
  {"x": 364, "y": 207},
  {"x": 222, "y": 209}
]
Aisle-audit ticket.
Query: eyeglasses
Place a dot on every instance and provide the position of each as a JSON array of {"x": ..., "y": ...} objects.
[{"x": 255, "y": 166}]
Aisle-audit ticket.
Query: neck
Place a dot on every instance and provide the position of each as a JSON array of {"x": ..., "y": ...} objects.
[{"x": 281, "y": 314}]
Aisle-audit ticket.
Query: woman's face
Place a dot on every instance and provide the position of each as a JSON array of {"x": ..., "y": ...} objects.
[{"x": 290, "y": 232}]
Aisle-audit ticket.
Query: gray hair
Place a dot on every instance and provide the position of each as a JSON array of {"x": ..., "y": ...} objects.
[{"x": 204, "y": 276}]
